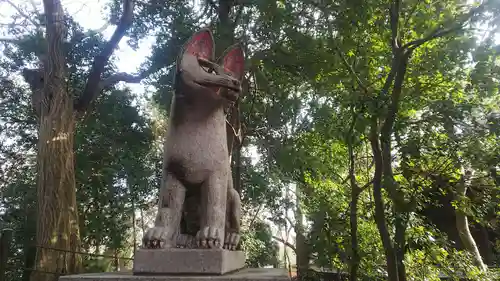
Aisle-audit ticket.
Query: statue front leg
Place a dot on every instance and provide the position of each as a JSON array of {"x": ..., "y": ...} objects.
[
  {"x": 164, "y": 233},
  {"x": 233, "y": 217},
  {"x": 213, "y": 214}
]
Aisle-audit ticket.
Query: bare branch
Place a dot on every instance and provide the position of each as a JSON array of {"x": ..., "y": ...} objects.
[
  {"x": 22, "y": 13},
  {"x": 97, "y": 31},
  {"x": 286, "y": 243},
  {"x": 119, "y": 77},
  {"x": 254, "y": 217},
  {"x": 94, "y": 79},
  {"x": 10, "y": 40},
  {"x": 235, "y": 134},
  {"x": 33, "y": 5}
]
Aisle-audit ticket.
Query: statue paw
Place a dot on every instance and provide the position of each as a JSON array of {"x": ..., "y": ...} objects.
[
  {"x": 209, "y": 237},
  {"x": 232, "y": 240},
  {"x": 157, "y": 238}
]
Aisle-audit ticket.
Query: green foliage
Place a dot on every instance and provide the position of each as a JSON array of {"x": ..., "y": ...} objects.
[
  {"x": 315, "y": 83},
  {"x": 259, "y": 247},
  {"x": 116, "y": 164}
]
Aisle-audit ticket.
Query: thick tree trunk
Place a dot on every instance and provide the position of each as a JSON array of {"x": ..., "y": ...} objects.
[
  {"x": 57, "y": 220},
  {"x": 57, "y": 233},
  {"x": 57, "y": 229}
]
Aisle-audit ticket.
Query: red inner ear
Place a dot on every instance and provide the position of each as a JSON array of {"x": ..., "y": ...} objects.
[
  {"x": 201, "y": 44},
  {"x": 234, "y": 62}
]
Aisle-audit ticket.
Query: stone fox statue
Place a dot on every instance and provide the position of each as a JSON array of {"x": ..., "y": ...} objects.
[{"x": 197, "y": 191}]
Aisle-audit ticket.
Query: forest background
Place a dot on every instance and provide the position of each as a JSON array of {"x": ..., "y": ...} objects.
[{"x": 367, "y": 137}]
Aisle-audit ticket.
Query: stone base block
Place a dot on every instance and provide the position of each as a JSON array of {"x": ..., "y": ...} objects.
[
  {"x": 248, "y": 274},
  {"x": 187, "y": 261}
]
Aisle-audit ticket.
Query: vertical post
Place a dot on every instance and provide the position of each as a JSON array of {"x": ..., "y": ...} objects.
[{"x": 5, "y": 241}]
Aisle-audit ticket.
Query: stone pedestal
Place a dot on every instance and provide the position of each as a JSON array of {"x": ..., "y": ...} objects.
[
  {"x": 187, "y": 261},
  {"x": 248, "y": 274}
]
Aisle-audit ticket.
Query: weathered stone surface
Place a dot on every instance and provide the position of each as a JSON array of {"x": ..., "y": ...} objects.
[
  {"x": 248, "y": 274},
  {"x": 187, "y": 261},
  {"x": 196, "y": 155}
]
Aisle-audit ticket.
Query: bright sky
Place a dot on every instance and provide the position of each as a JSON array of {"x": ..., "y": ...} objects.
[{"x": 89, "y": 14}]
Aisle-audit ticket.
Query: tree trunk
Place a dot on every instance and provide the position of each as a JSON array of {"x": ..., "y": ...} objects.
[
  {"x": 237, "y": 169},
  {"x": 225, "y": 27},
  {"x": 354, "y": 264},
  {"x": 400, "y": 243},
  {"x": 29, "y": 233},
  {"x": 57, "y": 220},
  {"x": 484, "y": 244},
  {"x": 134, "y": 232},
  {"x": 302, "y": 251},
  {"x": 353, "y": 214},
  {"x": 463, "y": 226},
  {"x": 380, "y": 220},
  {"x": 57, "y": 228},
  {"x": 29, "y": 260},
  {"x": 401, "y": 58},
  {"x": 57, "y": 233},
  {"x": 5, "y": 248}
]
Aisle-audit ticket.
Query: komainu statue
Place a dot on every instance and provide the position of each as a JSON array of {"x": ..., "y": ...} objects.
[{"x": 198, "y": 206}]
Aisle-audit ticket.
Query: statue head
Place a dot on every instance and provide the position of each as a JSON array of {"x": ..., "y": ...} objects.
[{"x": 196, "y": 72}]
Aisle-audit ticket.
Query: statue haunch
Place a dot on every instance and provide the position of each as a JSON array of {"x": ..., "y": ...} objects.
[{"x": 198, "y": 206}]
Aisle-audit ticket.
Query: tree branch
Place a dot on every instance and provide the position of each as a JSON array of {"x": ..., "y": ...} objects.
[
  {"x": 237, "y": 17},
  {"x": 35, "y": 79},
  {"x": 11, "y": 40},
  {"x": 434, "y": 35},
  {"x": 440, "y": 32},
  {"x": 390, "y": 78},
  {"x": 97, "y": 31},
  {"x": 351, "y": 69},
  {"x": 23, "y": 14},
  {"x": 119, "y": 77},
  {"x": 286, "y": 243},
  {"x": 394, "y": 20},
  {"x": 92, "y": 87}
]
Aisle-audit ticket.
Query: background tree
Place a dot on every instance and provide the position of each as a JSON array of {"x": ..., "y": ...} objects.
[
  {"x": 358, "y": 123},
  {"x": 57, "y": 109}
]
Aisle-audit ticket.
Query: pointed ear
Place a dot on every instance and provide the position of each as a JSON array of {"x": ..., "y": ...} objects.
[
  {"x": 201, "y": 44},
  {"x": 233, "y": 61}
]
